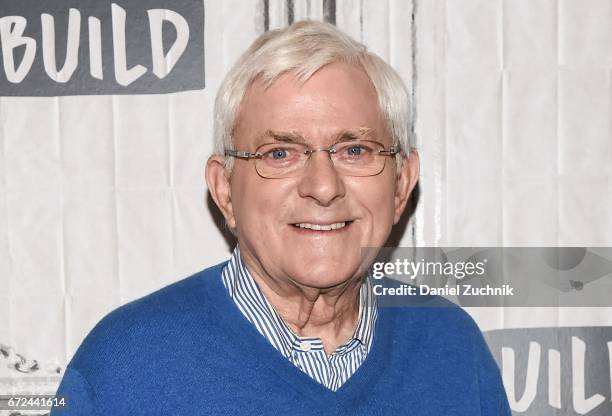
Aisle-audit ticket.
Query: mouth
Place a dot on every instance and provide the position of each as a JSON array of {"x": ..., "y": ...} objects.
[{"x": 328, "y": 227}]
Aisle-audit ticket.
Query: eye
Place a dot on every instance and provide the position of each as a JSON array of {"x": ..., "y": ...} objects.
[
  {"x": 278, "y": 154},
  {"x": 355, "y": 150},
  {"x": 362, "y": 152}
]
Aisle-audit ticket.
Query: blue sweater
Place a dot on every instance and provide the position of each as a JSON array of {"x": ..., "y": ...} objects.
[{"x": 187, "y": 350}]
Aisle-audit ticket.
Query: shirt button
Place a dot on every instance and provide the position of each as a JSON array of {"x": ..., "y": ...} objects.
[{"x": 305, "y": 346}]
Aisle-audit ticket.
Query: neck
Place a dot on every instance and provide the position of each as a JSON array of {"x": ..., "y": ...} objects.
[{"x": 330, "y": 314}]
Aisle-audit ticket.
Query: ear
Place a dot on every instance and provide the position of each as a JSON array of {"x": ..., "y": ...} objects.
[
  {"x": 217, "y": 179},
  {"x": 406, "y": 181}
]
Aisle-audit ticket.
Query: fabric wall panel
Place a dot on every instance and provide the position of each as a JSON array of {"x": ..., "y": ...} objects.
[
  {"x": 301, "y": 9},
  {"x": 516, "y": 318},
  {"x": 530, "y": 34},
  {"x": 146, "y": 246},
  {"x": 429, "y": 125},
  {"x": 530, "y": 157},
  {"x": 83, "y": 310},
  {"x": 309, "y": 9},
  {"x": 278, "y": 14},
  {"x": 584, "y": 33},
  {"x": 197, "y": 242},
  {"x": 582, "y": 217},
  {"x": 585, "y": 106},
  {"x": 530, "y": 212},
  {"x": 471, "y": 70},
  {"x": 463, "y": 229},
  {"x": 90, "y": 233},
  {"x": 6, "y": 329},
  {"x": 5, "y": 255},
  {"x": 475, "y": 133},
  {"x": 584, "y": 316},
  {"x": 349, "y": 17},
  {"x": 375, "y": 27},
  {"x": 36, "y": 242},
  {"x": 31, "y": 143},
  {"x": 242, "y": 22},
  {"x": 6, "y": 263},
  {"x": 530, "y": 118},
  {"x": 91, "y": 261},
  {"x": 191, "y": 138},
  {"x": 86, "y": 142},
  {"x": 141, "y": 134},
  {"x": 473, "y": 33},
  {"x": 42, "y": 317},
  {"x": 401, "y": 38},
  {"x": 214, "y": 60}
]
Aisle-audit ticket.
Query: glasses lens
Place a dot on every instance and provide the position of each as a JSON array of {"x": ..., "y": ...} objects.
[
  {"x": 358, "y": 158},
  {"x": 280, "y": 160}
]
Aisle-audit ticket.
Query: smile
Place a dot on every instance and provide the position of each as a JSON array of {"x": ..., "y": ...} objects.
[{"x": 322, "y": 227}]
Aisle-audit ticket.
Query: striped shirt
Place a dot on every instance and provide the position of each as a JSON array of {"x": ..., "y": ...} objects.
[{"x": 306, "y": 353}]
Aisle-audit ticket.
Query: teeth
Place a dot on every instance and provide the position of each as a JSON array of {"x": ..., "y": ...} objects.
[{"x": 318, "y": 227}]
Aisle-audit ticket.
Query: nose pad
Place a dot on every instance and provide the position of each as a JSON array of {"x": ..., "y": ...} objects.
[{"x": 328, "y": 157}]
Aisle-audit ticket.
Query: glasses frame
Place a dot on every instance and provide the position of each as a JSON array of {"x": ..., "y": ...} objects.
[{"x": 246, "y": 155}]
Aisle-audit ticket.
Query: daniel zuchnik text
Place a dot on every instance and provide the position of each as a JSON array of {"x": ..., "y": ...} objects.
[{"x": 464, "y": 290}]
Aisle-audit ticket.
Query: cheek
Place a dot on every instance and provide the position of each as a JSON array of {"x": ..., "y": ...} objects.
[
  {"x": 379, "y": 199},
  {"x": 384, "y": 215},
  {"x": 253, "y": 221},
  {"x": 258, "y": 203},
  {"x": 376, "y": 200}
]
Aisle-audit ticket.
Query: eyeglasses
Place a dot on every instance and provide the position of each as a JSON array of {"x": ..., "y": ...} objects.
[{"x": 288, "y": 160}]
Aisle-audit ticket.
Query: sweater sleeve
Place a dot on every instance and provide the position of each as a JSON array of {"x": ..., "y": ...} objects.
[{"x": 78, "y": 394}]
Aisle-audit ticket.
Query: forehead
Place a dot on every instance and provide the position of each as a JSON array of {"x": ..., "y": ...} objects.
[{"x": 337, "y": 98}]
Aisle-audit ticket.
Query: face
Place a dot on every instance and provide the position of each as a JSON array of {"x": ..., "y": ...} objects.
[{"x": 264, "y": 213}]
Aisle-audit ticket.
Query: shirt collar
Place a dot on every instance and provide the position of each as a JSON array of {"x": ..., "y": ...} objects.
[{"x": 250, "y": 300}]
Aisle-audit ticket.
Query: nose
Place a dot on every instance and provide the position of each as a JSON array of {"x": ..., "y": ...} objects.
[{"x": 320, "y": 181}]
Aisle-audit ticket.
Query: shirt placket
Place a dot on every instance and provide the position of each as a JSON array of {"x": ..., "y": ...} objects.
[{"x": 309, "y": 355}]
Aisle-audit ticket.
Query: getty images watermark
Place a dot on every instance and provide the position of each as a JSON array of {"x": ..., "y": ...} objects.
[
  {"x": 412, "y": 269},
  {"x": 491, "y": 276}
]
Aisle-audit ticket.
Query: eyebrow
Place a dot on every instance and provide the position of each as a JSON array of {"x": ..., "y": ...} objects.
[
  {"x": 287, "y": 137},
  {"x": 282, "y": 136},
  {"x": 360, "y": 133}
]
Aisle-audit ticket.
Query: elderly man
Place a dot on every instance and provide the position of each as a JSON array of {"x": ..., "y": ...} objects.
[{"x": 313, "y": 162}]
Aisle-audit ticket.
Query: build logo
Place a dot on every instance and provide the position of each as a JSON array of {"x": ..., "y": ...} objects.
[
  {"x": 550, "y": 371},
  {"x": 79, "y": 47}
]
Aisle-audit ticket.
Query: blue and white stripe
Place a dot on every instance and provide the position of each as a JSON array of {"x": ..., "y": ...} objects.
[{"x": 306, "y": 353}]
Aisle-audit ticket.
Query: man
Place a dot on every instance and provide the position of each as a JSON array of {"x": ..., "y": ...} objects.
[{"x": 313, "y": 162}]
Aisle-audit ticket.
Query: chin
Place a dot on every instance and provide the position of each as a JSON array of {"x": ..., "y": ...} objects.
[{"x": 323, "y": 276}]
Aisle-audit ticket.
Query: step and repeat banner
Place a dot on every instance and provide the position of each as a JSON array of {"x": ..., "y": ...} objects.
[{"x": 106, "y": 125}]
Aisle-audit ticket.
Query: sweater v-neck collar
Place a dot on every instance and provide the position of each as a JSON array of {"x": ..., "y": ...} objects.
[{"x": 255, "y": 347}]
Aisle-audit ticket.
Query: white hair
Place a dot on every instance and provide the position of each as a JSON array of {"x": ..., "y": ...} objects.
[{"x": 302, "y": 49}]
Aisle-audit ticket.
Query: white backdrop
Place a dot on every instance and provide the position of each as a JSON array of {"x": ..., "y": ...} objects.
[{"x": 102, "y": 198}]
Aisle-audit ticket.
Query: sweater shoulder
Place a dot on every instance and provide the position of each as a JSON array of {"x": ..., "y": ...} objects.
[
  {"x": 435, "y": 319},
  {"x": 430, "y": 311},
  {"x": 138, "y": 326},
  {"x": 443, "y": 330}
]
